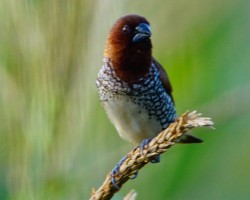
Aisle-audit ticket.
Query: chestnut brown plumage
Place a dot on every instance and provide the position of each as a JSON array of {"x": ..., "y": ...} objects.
[{"x": 131, "y": 60}]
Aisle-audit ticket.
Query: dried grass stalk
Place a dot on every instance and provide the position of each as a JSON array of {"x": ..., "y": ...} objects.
[{"x": 137, "y": 158}]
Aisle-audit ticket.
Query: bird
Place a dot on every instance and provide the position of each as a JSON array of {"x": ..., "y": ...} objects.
[{"x": 133, "y": 86}]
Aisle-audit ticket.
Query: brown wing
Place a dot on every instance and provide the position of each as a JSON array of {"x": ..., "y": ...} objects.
[
  {"x": 164, "y": 78},
  {"x": 187, "y": 138}
]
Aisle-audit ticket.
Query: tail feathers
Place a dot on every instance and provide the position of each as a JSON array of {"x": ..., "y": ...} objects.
[{"x": 188, "y": 139}]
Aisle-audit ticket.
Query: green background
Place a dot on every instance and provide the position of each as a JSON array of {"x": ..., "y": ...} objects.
[{"x": 56, "y": 141}]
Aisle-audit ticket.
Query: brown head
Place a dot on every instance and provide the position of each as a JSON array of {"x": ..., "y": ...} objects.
[{"x": 129, "y": 47}]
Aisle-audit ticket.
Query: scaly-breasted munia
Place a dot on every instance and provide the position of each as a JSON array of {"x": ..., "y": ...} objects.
[{"x": 133, "y": 87}]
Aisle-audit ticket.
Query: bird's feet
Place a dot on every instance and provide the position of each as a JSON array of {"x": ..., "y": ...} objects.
[
  {"x": 116, "y": 172},
  {"x": 145, "y": 142}
]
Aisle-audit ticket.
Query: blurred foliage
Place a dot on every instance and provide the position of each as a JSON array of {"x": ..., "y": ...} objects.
[{"x": 55, "y": 139}]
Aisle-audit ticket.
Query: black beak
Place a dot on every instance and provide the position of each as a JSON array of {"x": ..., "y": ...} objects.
[{"x": 142, "y": 32}]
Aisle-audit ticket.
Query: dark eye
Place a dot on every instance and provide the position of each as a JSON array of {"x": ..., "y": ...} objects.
[{"x": 126, "y": 29}]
